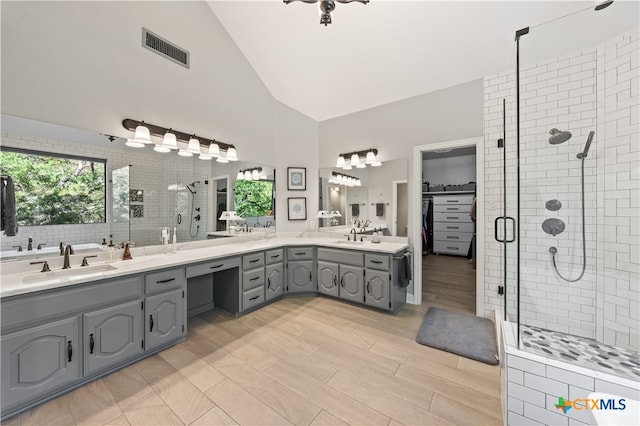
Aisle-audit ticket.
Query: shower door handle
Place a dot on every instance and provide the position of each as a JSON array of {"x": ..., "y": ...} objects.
[{"x": 495, "y": 229}]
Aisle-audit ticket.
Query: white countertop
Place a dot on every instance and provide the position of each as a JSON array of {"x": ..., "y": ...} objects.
[{"x": 20, "y": 277}]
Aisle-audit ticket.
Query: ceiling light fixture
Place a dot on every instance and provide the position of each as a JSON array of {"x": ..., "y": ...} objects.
[
  {"x": 326, "y": 7},
  {"x": 207, "y": 149},
  {"x": 358, "y": 159}
]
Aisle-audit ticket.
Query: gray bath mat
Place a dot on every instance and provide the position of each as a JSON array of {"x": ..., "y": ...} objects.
[{"x": 463, "y": 334}]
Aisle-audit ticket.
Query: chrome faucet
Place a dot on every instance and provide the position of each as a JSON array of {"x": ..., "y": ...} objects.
[
  {"x": 68, "y": 250},
  {"x": 354, "y": 232}
]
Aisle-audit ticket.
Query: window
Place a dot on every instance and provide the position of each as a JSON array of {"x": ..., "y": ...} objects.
[
  {"x": 254, "y": 198},
  {"x": 55, "y": 189}
]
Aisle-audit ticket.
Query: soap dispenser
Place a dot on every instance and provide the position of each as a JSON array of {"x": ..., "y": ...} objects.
[{"x": 174, "y": 246}]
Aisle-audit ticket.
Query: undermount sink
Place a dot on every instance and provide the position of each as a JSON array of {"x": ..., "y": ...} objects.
[{"x": 68, "y": 274}]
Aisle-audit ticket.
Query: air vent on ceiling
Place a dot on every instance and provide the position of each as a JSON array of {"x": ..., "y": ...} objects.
[{"x": 164, "y": 48}]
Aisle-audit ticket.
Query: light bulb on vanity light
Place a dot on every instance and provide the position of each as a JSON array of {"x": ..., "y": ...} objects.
[
  {"x": 355, "y": 160},
  {"x": 371, "y": 158},
  {"x": 169, "y": 142},
  {"x": 214, "y": 150},
  {"x": 240, "y": 175},
  {"x": 247, "y": 175},
  {"x": 340, "y": 162},
  {"x": 194, "y": 146},
  {"x": 232, "y": 154}
]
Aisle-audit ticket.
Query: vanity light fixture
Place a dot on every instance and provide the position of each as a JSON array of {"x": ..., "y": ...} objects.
[
  {"x": 206, "y": 149},
  {"x": 358, "y": 159},
  {"x": 325, "y": 7},
  {"x": 345, "y": 180},
  {"x": 229, "y": 215},
  {"x": 254, "y": 173}
]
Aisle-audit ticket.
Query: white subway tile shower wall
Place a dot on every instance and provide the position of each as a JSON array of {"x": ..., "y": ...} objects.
[
  {"x": 150, "y": 172},
  {"x": 562, "y": 93}
]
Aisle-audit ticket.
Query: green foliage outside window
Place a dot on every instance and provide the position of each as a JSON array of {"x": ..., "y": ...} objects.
[
  {"x": 254, "y": 198},
  {"x": 53, "y": 190}
]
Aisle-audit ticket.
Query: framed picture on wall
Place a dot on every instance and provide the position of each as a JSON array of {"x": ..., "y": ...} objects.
[
  {"x": 296, "y": 178},
  {"x": 297, "y": 207}
]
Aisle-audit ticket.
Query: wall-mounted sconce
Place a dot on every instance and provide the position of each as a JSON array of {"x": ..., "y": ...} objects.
[
  {"x": 345, "y": 180},
  {"x": 358, "y": 159},
  {"x": 254, "y": 173},
  {"x": 206, "y": 149}
]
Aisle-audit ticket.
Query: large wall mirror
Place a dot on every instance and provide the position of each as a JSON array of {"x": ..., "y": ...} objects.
[
  {"x": 145, "y": 192},
  {"x": 379, "y": 200}
]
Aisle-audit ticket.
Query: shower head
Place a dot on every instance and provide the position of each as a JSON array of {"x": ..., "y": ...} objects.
[
  {"x": 559, "y": 136},
  {"x": 583, "y": 154},
  {"x": 192, "y": 187}
]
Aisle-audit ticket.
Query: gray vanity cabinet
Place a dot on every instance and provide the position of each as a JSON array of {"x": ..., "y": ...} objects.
[
  {"x": 37, "y": 360},
  {"x": 300, "y": 273},
  {"x": 351, "y": 283},
  {"x": 111, "y": 335},
  {"x": 165, "y": 307},
  {"x": 164, "y": 318},
  {"x": 328, "y": 278},
  {"x": 376, "y": 290}
]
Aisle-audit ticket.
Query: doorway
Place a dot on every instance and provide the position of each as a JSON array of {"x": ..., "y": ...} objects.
[
  {"x": 417, "y": 228},
  {"x": 400, "y": 224},
  {"x": 219, "y": 196}
]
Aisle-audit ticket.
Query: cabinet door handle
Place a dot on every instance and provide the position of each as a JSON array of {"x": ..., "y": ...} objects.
[
  {"x": 254, "y": 260},
  {"x": 254, "y": 278},
  {"x": 69, "y": 351},
  {"x": 150, "y": 323},
  {"x": 376, "y": 261},
  {"x": 165, "y": 281},
  {"x": 268, "y": 282},
  {"x": 217, "y": 266},
  {"x": 310, "y": 276},
  {"x": 92, "y": 343},
  {"x": 253, "y": 298},
  {"x": 335, "y": 280},
  {"x": 368, "y": 287},
  {"x": 342, "y": 282}
]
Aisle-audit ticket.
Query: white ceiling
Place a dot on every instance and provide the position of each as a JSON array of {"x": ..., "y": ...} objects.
[{"x": 390, "y": 50}]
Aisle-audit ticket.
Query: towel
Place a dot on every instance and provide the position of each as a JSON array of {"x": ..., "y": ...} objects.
[
  {"x": 355, "y": 210},
  {"x": 404, "y": 271},
  {"x": 9, "y": 219},
  {"x": 379, "y": 209}
]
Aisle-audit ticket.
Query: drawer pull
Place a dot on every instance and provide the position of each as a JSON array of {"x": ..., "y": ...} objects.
[
  {"x": 253, "y": 298},
  {"x": 453, "y": 208},
  {"x": 453, "y": 237},
  {"x": 254, "y": 260},
  {"x": 275, "y": 256},
  {"x": 69, "y": 351},
  {"x": 453, "y": 248},
  {"x": 453, "y": 217},
  {"x": 254, "y": 278},
  {"x": 300, "y": 253},
  {"x": 453, "y": 227},
  {"x": 453, "y": 201},
  {"x": 165, "y": 281},
  {"x": 376, "y": 261},
  {"x": 217, "y": 266},
  {"x": 92, "y": 343}
]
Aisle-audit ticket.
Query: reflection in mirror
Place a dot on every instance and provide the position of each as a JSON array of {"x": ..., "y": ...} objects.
[
  {"x": 377, "y": 203},
  {"x": 120, "y": 204}
]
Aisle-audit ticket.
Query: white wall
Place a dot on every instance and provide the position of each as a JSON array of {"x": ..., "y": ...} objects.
[
  {"x": 450, "y": 170},
  {"x": 81, "y": 64}
]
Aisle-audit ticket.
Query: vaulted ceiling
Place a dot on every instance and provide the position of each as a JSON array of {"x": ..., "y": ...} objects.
[{"x": 390, "y": 50}]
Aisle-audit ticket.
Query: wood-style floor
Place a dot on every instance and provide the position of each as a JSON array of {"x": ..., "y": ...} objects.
[
  {"x": 298, "y": 361},
  {"x": 448, "y": 282}
]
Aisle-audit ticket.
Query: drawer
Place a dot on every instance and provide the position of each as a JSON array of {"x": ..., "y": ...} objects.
[
  {"x": 450, "y": 247},
  {"x": 453, "y": 199},
  {"x": 252, "y": 298},
  {"x": 456, "y": 237},
  {"x": 274, "y": 256},
  {"x": 453, "y": 227},
  {"x": 452, "y": 208},
  {"x": 451, "y": 217},
  {"x": 252, "y": 279},
  {"x": 300, "y": 253},
  {"x": 376, "y": 261},
  {"x": 345, "y": 257},
  {"x": 163, "y": 281},
  {"x": 212, "y": 266},
  {"x": 252, "y": 261}
]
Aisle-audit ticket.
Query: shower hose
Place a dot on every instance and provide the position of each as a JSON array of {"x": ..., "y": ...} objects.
[{"x": 553, "y": 250}]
